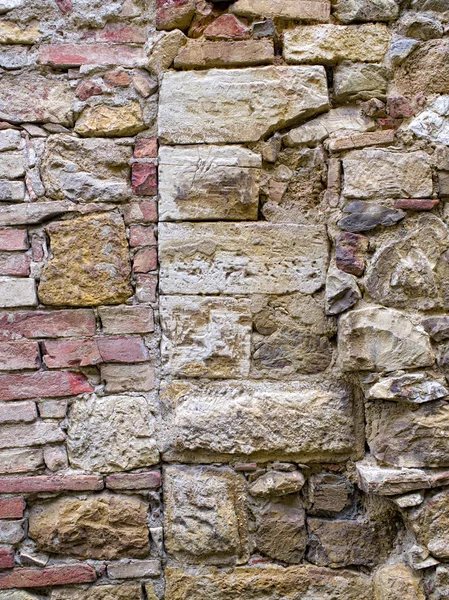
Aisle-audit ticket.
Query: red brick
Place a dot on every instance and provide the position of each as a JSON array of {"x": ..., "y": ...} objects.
[
  {"x": 126, "y": 319},
  {"x": 350, "y": 253},
  {"x": 29, "y": 577},
  {"x": 19, "y": 355},
  {"x": 146, "y": 148},
  {"x": 227, "y": 27},
  {"x": 416, "y": 204},
  {"x": 64, "y": 6},
  {"x": 6, "y": 557},
  {"x": 145, "y": 260},
  {"x": 123, "y": 349},
  {"x": 22, "y": 411},
  {"x": 43, "y": 384},
  {"x": 75, "y": 55},
  {"x": 134, "y": 481},
  {"x": 141, "y": 236},
  {"x": 15, "y": 264},
  {"x": 140, "y": 212},
  {"x": 118, "y": 33},
  {"x": 50, "y": 483},
  {"x": 146, "y": 286},
  {"x": 144, "y": 179},
  {"x": 86, "y": 89},
  {"x": 13, "y": 239},
  {"x": 47, "y": 324},
  {"x": 11, "y": 508},
  {"x": 118, "y": 78}
]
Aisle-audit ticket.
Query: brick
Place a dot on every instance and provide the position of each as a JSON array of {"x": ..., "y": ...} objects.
[
  {"x": 146, "y": 286},
  {"x": 13, "y": 239},
  {"x": 12, "y": 532},
  {"x": 144, "y": 179},
  {"x": 12, "y": 508},
  {"x": 134, "y": 481},
  {"x": 87, "y": 89},
  {"x": 361, "y": 140},
  {"x": 141, "y": 236},
  {"x": 29, "y": 577},
  {"x": 126, "y": 319},
  {"x": 19, "y": 355},
  {"x": 118, "y": 33},
  {"x": 18, "y": 412},
  {"x": 416, "y": 204},
  {"x": 43, "y": 384},
  {"x": 129, "y": 569},
  {"x": 39, "y": 433},
  {"x": 15, "y": 264},
  {"x": 227, "y": 27},
  {"x": 47, "y": 324},
  {"x": 146, "y": 148},
  {"x": 18, "y": 460},
  {"x": 75, "y": 55},
  {"x": 123, "y": 349},
  {"x": 129, "y": 378},
  {"x": 145, "y": 260},
  {"x": 350, "y": 253},
  {"x": 17, "y": 292},
  {"x": 140, "y": 212},
  {"x": 50, "y": 483},
  {"x": 6, "y": 557}
]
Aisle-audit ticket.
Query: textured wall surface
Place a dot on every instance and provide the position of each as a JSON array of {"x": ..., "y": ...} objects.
[{"x": 224, "y": 300}]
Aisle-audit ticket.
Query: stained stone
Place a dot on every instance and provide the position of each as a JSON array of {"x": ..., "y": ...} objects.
[
  {"x": 199, "y": 183},
  {"x": 433, "y": 123},
  {"x": 424, "y": 70},
  {"x": 89, "y": 264},
  {"x": 102, "y": 120},
  {"x": 237, "y": 105},
  {"x": 205, "y": 520},
  {"x": 366, "y": 10},
  {"x": 281, "y": 533},
  {"x": 328, "y": 493},
  {"x": 420, "y": 27},
  {"x": 390, "y": 482},
  {"x": 397, "y": 582},
  {"x": 205, "y": 54},
  {"x": 206, "y": 337},
  {"x": 381, "y": 339},
  {"x": 430, "y": 523},
  {"x": 308, "y": 10},
  {"x": 342, "y": 291},
  {"x": 359, "y": 81},
  {"x": 124, "y": 591},
  {"x": 277, "y": 483},
  {"x": 415, "y": 388},
  {"x": 103, "y": 526},
  {"x": 241, "y": 258},
  {"x": 112, "y": 433},
  {"x": 365, "y": 216},
  {"x": 213, "y": 421}
]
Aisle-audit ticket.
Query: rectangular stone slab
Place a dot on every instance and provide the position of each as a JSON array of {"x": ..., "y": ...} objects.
[
  {"x": 241, "y": 258},
  {"x": 199, "y": 183},
  {"x": 299, "y": 421},
  {"x": 308, "y": 10},
  {"x": 237, "y": 105}
]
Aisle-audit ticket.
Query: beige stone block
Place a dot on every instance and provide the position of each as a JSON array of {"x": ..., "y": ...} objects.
[
  {"x": 205, "y": 54},
  {"x": 299, "y": 10},
  {"x": 110, "y": 121}
]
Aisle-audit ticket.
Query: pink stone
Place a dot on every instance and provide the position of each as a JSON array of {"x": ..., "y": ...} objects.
[
  {"x": 227, "y": 27},
  {"x": 118, "y": 33},
  {"x": 13, "y": 239},
  {"x": 145, "y": 260},
  {"x": 43, "y": 384},
  {"x": 144, "y": 179},
  {"x": 141, "y": 236},
  {"x": 19, "y": 355},
  {"x": 117, "y": 78},
  {"x": 399, "y": 107},
  {"x": 47, "y": 324},
  {"x": 146, "y": 286},
  {"x": 87, "y": 89},
  {"x": 50, "y": 483},
  {"x": 140, "y": 212},
  {"x": 15, "y": 264},
  {"x": 146, "y": 148},
  {"x": 350, "y": 253},
  {"x": 49, "y": 576},
  {"x": 75, "y": 55},
  {"x": 416, "y": 203},
  {"x": 12, "y": 508}
]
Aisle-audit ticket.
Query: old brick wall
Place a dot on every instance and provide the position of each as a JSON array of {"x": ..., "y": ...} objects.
[{"x": 224, "y": 279}]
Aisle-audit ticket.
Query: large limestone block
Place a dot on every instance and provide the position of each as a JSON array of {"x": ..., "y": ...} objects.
[
  {"x": 330, "y": 44},
  {"x": 376, "y": 172},
  {"x": 397, "y": 582},
  {"x": 430, "y": 523},
  {"x": 299, "y": 10},
  {"x": 403, "y": 437},
  {"x": 89, "y": 264},
  {"x": 235, "y": 106},
  {"x": 35, "y": 98},
  {"x": 200, "y": 183},
  {"x": 103, "y": 527},
  {"x": 267, "y": 420},
  {"x": 125, "y": 591},
  {"x": 241, "y": 258},
  {"x": 425, "y": 70},
  {"x": 270, "y": 582},
  {"x": 381, "y": 339},
  {"x": 204, "y": 517},
  {"x": 112, "y": 433},
  {"x": 86, "y": 170},
  {"x": 206, "y": 337}
]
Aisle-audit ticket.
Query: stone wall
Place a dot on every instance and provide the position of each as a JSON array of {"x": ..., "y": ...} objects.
[{"x": 224, "y": 279}]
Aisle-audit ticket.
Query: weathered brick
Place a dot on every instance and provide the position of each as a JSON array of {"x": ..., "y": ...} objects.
[
  {"x": 12, "y": 532},
  {"x": 144, "y": 179},
  {"x": 6, "y": 557},
  {"x": 141, "y": 236},
  {"x": 134, "y": 481},
  {"x": 75, "y": 55},
  {"x": 130, "y": 569},
  {"x": 145, "y": 260},
  {"x": 39, "y": 433},
  {"x": 18, "y": 412},
  {"x": 49, "y": 576},
  {"x": 140, "y": 212},
  {"x": 17, "y": 292},
  {"x": 52, "y": 409},
  {"x": 42, "y": 384},
  {"x": 117, "y": 78},
  {"x": 146, "y": 148},
  {"x": 126, "y": 319},
  {"x": 129, "y": 378},
  {"x": 45, "y": 324},
  {"x": 50, "y": 483},
  {"x": 19, "y": 355},
  {"x": 14, "y": 264},
  {"x": 122, "y": 349},
  {"x": 146, "y": 286},
  {"x": 13, "y": 239},
  {"x": 416, "y": 204},
  {"x": 18, "y": 460},
  {"x": 12, "y": 508}
]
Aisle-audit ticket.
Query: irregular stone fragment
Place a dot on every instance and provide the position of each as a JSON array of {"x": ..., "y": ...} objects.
[
  {"x": 165, "y": 51},
  {"x": 366, "y": 10},
  {"x": 85, "y": 170},
  {"x": 408, "y": 500},
  {"x": 277, "y": 483},
  {"x": 205, "y": 520},
  {"x": 359, "y": 81},
  {"x": 433, "y": 123},
  {"x": 90, "y": 262},
  {"x": 381, "y": 339},
  {"x": 131, "y": 569},
  {"x": 350, "y": 251},
  {"x": 281, "y": 533},
  {"x": 361, "y": 140},
  {"x": 174, "y": 14},
  {"x": 200, "y": 54},
  {"x": 399, "y": 50},
  {"x": 415, "y": 388},
  {"x": 429, "y": 522},
  {"x": 397, "y": 582},
  {"x": 31, "y": 97},
  {"x": 12, "y": 532},
  {"x": 342, "y": 291},
  {"x": 419, "y": 26},
  {"x": 424, "y": 69},
  {"x": 365, "y": 216},
  {"x": 124, "y": 591},
  {"x": 298, "y": 10},
  {"x": 331, "y": 44},
  {"x": 206, "y": 337},
  {"x": 390, "y": 482},
  {"x": 376, "y": 172},
  {"x": 437, "y": 327},
  {"x": 241, "y": 258},
  {"x": 208, "y": 182},
  {"x": 103, "y": 527},
  {"x": 213, "y": 106},
  {"x": 259, "y": 420},
  {"x": 259, "y": 583},
  {"x": 112, "y": 433},
  {"x": 110, "y": 121},
  {"x": 440, "y": 587},
  {"x": 328, "y": 493},
  {"x": 227, "y": 27}
]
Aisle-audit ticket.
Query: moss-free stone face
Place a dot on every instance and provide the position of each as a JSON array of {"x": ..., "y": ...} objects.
[
  {"x": 103, "y": 527},
  {"x": 125, "y": 591},
  {"x": 430, "y": 523},
  {"x": 89, "y": 263},
  {"x": 110, "y": 121}
]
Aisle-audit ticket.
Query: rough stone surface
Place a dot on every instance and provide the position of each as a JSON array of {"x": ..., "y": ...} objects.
[
  {"x": 429, "y": 522},
  {"x": 415, "y": 388},
  {"x": 281, "y": 533},
  {"x": 364, "y": 216},
  {"x": 124, "y": 591},
  {"x": 347, "y": 11},
  {"x": 277, "y": 483},
  {"x": 205, "y": 54},
  {"x": 424, "y": 69},
  {"x": 359, "y": 81},
  {"x": 110, "y": 121},
  {"x": 397, "y": 582},
  {"x": 390, "y": 482},
  {"x": 308, "y": 10}
]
